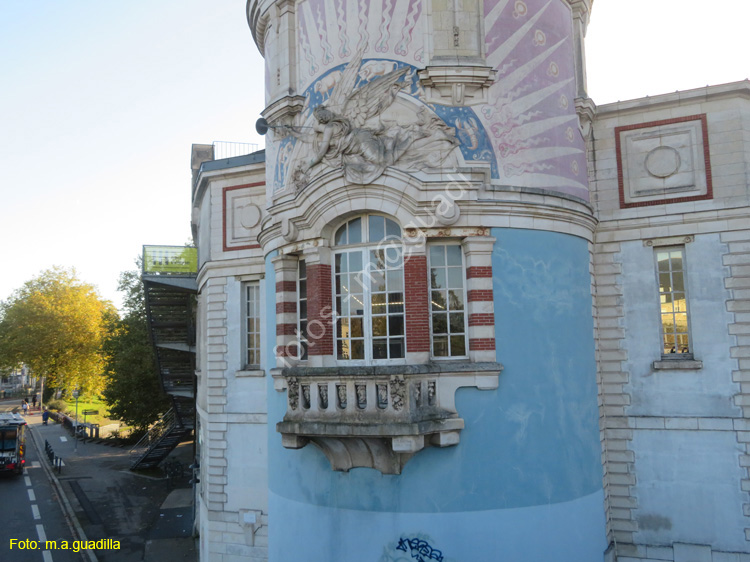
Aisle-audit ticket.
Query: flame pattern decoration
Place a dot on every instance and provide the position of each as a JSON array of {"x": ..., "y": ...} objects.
[{"x": 523, "y": 130}]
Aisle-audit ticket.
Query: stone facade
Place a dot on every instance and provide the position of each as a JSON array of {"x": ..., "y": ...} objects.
[{"x": 442, "y": 399}]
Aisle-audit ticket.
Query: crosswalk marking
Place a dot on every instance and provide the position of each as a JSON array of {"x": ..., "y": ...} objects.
[
  {"x": 47, "y": 556},
  {"x": 27, "y": 480},
  {"x": 40, "y": 532},
  {"x": 35, "y": 511},
  {"x": 32, "y": 496},
  {"x": 63, "y": 438}
]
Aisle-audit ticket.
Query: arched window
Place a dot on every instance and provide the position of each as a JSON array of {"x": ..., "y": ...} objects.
[{"x": 368, "y": 281}]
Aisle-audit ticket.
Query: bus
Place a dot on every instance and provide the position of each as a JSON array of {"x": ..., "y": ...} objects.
[{"x": 12, "y": 443}]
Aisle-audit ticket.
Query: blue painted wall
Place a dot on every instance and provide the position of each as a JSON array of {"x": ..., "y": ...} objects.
[{"x": 525, "y": 483}]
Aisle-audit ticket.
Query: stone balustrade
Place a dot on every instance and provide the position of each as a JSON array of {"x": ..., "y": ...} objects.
[{"x": 358, "y": 415}]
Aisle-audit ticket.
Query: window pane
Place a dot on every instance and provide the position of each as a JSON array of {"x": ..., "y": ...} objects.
[
  {"x": 392, "y": 229},
  {"x": 437, "y": 256},
  {"x": 396, "y": 348},
  {"x": 380, "y": 349},
  {"x": 340, "y": 263},
  {"x": 355, "y": 283},
  {"x": 342, "y": 328},
  {"x": 665, "y": 282},
  {"x": 393, "y": 257},
  {"x": 356, "y": 327},
  {"x": 342, "y": 349},
  {"x": 377, "y": 259},
  {"x": 663, "y": 260},
  {"x": 340, "y": 238},
  {"x": 457, "y": 322},
  {"x": 395, "y": 280},
  {"x": 355, "y": 231},
  {"x": 358, "y": 349},
  {"x": 355, "y": 261},
  {"x": 456, "y": 300},
  {"x": 458, "y": 346},
  {"x": 395, "y": 303},
  {"x": 440, "y": 346},
  {"x": 453, "y": 254},
  {"x": 396, "y": 325},
  {"x": 302, "y": 269},
  {"x": 439, "y": 324},
  {"x": 437, "y": 278},
  {"x": 377, "y": 281},
  {"x": 379, "y": 328},
  {"x": 377, "y": 228},
  {"x": 455, "y": 278},
  {"x": 438, "y": 301}
]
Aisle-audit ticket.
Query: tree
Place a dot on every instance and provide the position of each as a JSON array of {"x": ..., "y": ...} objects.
[
  {"x": 133, "y": 391},
  {"x": 56, "y": 325}
]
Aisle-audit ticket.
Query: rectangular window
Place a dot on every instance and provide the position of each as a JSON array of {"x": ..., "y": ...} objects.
[
  {"x": 302, "y": 310},
  {"x": 673, "y": 301},
  {"x": 447, "y": 301},
  {"x": 252, "y": 325}
]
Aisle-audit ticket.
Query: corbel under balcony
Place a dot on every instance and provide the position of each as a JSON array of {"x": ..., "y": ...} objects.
[
  {"x": 380, "y": 416},
  {"x": 283, "y": 111},
  {"x": 457, "y": 85}
]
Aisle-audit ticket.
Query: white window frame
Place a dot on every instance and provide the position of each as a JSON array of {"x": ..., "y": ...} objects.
[
  {"x": 465, "y": 297},
  {"x": 364, "y": 248},
  {"x": 258, "y": 348},
  {"x": 302, "y": 343},
  {"x": 677, "y": 355}
]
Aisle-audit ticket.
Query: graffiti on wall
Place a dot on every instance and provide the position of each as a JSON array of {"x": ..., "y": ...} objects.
[{"x": 413, "y": 548}]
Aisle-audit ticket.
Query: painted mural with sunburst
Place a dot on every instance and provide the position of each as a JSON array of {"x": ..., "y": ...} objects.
[{"x": 527, "y": 133}]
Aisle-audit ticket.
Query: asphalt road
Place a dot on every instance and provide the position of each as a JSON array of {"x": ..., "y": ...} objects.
[{"x": 30, "y": 511}]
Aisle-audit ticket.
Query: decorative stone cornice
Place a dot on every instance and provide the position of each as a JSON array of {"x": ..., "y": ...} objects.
[
  {"x": 457, "y": 85},
  {"x": 283, "y": 110}
]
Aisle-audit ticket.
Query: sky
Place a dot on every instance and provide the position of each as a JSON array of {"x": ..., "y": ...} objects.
[{"x": 101, "y": 101}]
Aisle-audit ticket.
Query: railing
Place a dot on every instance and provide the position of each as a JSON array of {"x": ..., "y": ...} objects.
[
  {"x": 153, "y": 435},
  {"x": 223, "y": 149},
  {"x": 182, "y": 260}
]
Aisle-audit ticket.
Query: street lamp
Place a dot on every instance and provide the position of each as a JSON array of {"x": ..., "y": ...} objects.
[{"x": 75, "y": 431}]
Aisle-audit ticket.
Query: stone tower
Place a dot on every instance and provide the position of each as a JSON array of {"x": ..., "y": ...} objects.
[{"x": 428, "y": 229}]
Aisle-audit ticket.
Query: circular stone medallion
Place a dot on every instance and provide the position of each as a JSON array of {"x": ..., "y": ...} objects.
[{"x": 663, "y": 162}]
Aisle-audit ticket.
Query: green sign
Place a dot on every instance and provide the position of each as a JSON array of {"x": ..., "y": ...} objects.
[{"x": 170, "y": 259}]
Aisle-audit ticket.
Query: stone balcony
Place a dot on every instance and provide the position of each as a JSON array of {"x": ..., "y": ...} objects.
[{"x": 377, "y": 417}]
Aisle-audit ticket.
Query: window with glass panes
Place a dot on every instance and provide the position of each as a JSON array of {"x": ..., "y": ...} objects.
[
  {"x": 302, "y": 310},
  {"x": 252, "y": 325},
  {"x": 447, "y": 301},
  {"x": 673, "y": 301},
  {"x": 369, "y": 290}
]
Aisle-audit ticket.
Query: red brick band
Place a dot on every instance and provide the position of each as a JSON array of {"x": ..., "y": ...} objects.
[
  {"x": 286, "y": 329},
  {"x": 482, "y": 344},
  {"x": 286, "y": 306},
  {"x": 286, "y": 286},
  {"x": 319, "y": 310},
  {"x": 479, "y": 295},
  {"x": 482, "y": 319},
  {"x": 478, "y": 272},
  {"x": 416, "y": 304}
]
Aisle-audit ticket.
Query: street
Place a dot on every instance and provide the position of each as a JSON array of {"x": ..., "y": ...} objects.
[{"x": 31, "y": 512}]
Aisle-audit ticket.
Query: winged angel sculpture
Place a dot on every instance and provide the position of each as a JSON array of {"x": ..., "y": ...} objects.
[{"x": 347, "y": 134}]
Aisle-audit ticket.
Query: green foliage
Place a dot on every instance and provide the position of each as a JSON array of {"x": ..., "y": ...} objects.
[
  {"x": 56, "y": 325},
  {"x": 58, "y": 405},
  {"x": 133, "y": 391}
]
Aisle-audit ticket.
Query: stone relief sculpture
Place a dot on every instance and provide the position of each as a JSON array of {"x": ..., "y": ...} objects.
[{"x": 352, "y": 132}]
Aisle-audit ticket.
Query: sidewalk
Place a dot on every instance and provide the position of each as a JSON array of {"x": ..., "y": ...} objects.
[{"x": 152, "y": 520}]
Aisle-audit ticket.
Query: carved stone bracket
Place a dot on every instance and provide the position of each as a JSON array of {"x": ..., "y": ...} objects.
[
  {"x": 284, "y": 110},
  {"x": 376, "y": 417},
  {"x": 457, "y": 85}
]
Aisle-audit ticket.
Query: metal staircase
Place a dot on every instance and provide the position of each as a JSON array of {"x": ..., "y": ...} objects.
[{"x": 169, "y": 280}]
